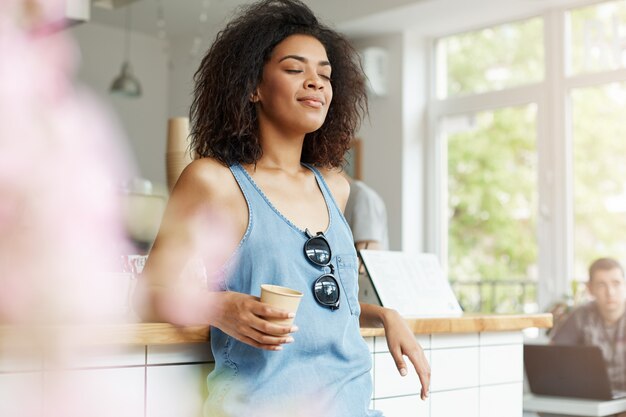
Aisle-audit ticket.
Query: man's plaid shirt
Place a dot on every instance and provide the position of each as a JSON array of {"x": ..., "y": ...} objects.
[{"x": 585, "y": 326}]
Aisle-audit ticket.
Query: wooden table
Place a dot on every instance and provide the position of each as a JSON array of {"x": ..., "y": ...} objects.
[{"x": 573, "y": 406}]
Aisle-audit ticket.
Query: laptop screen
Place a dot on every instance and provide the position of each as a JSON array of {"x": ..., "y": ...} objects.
[{"x": 567, "y": 371}]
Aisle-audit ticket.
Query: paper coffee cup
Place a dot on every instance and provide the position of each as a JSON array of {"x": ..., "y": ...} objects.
[{"x": 283, "y": 298}]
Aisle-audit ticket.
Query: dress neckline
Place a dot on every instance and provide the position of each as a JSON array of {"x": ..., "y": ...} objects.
[{"x": 320, "y": 186}]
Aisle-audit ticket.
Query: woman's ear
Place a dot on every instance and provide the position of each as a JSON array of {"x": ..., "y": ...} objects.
[{"x": 254, "y": 96}]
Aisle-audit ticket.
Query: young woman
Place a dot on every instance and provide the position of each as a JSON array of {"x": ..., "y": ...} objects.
[{"x": 277, "y": 99}]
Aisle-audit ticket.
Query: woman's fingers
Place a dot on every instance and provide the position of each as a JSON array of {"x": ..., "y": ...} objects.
[
  {"x": 399, "y": 360},
  {"x": 267, "y": 340},
  {"x": 269, "y": 312},
  {"x": 420, "y": 363},
  {"x": 256, "y": 344},
  {"x": 245, "y": 318}
]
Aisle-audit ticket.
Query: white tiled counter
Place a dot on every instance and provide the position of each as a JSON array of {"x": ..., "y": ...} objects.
[
  {"x": 476, "y": 363},
  {"x": 106, "y": 381},
  {"x": 473, "y": 374},
  {"x": 159, "y": 370}
]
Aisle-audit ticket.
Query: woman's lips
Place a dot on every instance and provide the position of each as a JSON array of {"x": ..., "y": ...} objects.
[{"x": 311, "y": 102}]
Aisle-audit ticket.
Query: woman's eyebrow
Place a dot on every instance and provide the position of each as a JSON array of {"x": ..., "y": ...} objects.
[{"x": 303, "y": 59}]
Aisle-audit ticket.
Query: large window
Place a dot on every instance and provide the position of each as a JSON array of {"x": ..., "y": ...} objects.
[
  {"x": 492, "y": 205},
  {"x": 597, "y": 45},
  {"x": 529, "y": 147},
  {"x": 599, "y": 136}
]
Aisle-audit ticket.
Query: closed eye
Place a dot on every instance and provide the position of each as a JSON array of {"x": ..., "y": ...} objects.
[{"x": 293, "y": 71}]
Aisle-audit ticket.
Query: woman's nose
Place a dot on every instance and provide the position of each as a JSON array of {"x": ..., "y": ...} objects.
[{"x": 314, "y": 81}]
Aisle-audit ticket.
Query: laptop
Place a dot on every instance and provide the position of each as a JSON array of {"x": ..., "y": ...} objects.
[{"x": 568, "y": 371}]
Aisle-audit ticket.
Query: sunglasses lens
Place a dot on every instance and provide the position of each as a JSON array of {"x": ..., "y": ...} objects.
[
  {"x": 326, "y": 290},
  {"x": 318, "y": 251}
]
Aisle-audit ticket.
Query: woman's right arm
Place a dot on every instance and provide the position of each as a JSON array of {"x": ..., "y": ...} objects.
[{"x": 193, "y": 226}]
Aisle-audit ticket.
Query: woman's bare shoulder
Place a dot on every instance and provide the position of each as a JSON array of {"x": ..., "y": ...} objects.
[
  {"x": 205, "y": 176},
  {"x": 338, "y": 184},
  {"x": 208, "y": 184}
]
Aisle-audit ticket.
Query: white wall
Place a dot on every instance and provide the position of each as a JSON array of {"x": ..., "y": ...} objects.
[
  {"x": 182, "y": 68},
  {"x": 382, "y": 136},
  {"x": 393, "y": 139},
  {"x": 143, "y": 119},
  {"x": 415, "y": 96}
]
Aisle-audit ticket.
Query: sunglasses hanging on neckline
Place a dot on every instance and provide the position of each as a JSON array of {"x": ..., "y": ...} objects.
[{"x": 325, "y": 288}]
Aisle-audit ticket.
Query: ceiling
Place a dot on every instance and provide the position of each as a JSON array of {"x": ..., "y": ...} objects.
[
  {"x": 182, "y": 16},
  {"x": 353, "y": 17}
]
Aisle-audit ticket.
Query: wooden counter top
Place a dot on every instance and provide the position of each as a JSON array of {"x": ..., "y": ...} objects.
[
  {"x": 471, "y": 324},
  {"x": 163, "y": 333}
]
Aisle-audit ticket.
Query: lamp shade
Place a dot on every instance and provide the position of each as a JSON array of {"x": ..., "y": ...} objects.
[{"x": 125, "y": 83}]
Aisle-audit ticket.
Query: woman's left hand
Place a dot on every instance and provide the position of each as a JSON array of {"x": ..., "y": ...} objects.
[{"x": 401, "y": 342}]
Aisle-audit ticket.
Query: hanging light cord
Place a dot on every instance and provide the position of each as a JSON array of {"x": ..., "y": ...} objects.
[{"x": 127, "y": 40}]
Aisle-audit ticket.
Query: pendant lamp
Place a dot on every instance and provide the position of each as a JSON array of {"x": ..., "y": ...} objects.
[{"x": 126, "y": 84}]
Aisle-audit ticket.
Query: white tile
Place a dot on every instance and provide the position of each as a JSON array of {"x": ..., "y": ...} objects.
[
  {"x": 501, "y": 338},
  {"x": 501, "y": 400},
  {"x": 176, "y": 390},
  {"x": 372, "y": 373},
  {"x": 501, "y": 364},
  {"x": 369, "y": 341},
  {"x": 96, "y": 357},
  {"x": 455, "y": 403},
  {"x": 20, "y": 394},
  {"x": 387, "y": 380},
  {"x": 180, "y": 353},
  {"x": 20, "y": 358},
  {"x": 410, "y": 406},
  {"x": 450, "y": 340},
  {"x": 454, "y": 368},
  {"x": 380, "y": 342},
  {"x": 95, "y": 392}
]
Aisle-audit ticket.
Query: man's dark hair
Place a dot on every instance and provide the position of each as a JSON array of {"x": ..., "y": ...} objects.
[
  {"x": 223, "y": 119},
  {"x": 604, "y": 264}
]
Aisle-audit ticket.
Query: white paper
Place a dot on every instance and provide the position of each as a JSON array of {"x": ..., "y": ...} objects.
[{"x": 412, "y": 284}]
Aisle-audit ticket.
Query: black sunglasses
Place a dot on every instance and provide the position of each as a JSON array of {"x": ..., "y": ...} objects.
[{"x": 325, "y": 288}]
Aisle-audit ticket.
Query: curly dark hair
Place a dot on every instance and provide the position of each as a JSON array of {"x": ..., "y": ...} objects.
[{"x": 224, "y": 120}]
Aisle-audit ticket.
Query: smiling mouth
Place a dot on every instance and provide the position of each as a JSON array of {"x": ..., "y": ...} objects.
[{"x": 311, "y": 102}]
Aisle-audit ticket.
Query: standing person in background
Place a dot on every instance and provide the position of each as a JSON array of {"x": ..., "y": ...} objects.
[
  {"x": 367, "y": 216},
  {"x": 601, "y": 322},
  {"x": 278, "y": 98}
]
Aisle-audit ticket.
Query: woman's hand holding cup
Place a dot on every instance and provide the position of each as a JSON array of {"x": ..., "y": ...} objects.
[{"x": 250, "y": 321}]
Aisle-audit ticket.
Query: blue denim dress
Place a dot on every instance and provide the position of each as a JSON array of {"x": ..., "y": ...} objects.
[{"x": 326, "y": 370}]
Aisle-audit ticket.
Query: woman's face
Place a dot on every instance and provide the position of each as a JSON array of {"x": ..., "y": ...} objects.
[{"x": 294, "y": 95}]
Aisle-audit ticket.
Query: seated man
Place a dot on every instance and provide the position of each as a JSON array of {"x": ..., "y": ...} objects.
[
  {"x": 601, "y": 322},
  {"x": 366, "y": 214}
]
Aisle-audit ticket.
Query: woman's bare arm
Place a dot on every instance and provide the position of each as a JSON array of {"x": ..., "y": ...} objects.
[{"x": 193, "y": 228}]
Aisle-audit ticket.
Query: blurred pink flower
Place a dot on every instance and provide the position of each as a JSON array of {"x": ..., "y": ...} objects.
[
  {"x": 213, "y": 244},
  {"x": 60, "y": 164}
]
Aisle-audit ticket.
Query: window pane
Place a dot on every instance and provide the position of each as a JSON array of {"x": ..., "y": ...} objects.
[
  {"x": 491, "y": 59},
  {"x": 599, "y": 135},
  {"x": 597, "y": 37},
  {"x": 492, "y": 191}
]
